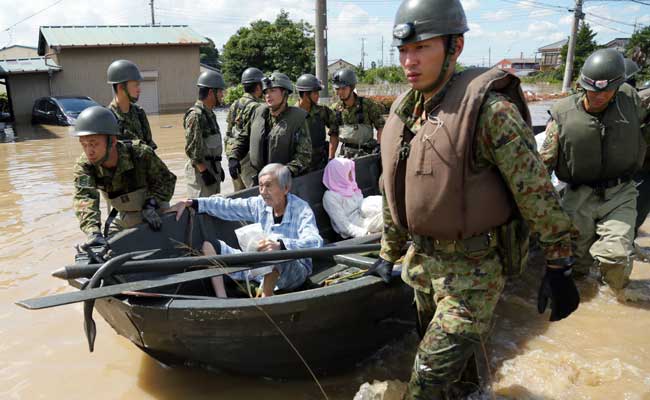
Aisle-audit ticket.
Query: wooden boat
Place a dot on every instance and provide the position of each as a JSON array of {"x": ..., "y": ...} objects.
[{"x": 333, "y": 327}]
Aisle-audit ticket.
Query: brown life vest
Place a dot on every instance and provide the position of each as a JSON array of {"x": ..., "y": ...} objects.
[{"x": 431, "y": 184}]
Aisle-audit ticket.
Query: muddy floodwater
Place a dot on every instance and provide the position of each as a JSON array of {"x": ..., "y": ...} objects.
[{"x": 600, "y": 352}]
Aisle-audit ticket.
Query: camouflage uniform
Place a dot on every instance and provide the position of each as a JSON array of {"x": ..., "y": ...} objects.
[
  {"x": 372, "y": 115},
  {"x": 134, "y": 124},
  {"x": 328, "y": 119},
  {"x": 301, "y": 158},
  {"x": 239, "y": 114},
  {"x": 604, "y": 219},
  {"x": 456, "y": 287},
  {"x": 202, "y": 146},
  {"x": 643, "y": 177},
  {"x": 137, "y": 168}
]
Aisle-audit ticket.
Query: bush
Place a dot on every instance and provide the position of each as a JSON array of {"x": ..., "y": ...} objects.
[
  {"x": 385, "y": 101},
  {"x": 4, "y": 103},
  {"x": 383, "y": 75},
  {"x": 233, "y": 93}
]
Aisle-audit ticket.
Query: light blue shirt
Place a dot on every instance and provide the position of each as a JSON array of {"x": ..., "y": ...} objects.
[{"x": 298, "y": 229}]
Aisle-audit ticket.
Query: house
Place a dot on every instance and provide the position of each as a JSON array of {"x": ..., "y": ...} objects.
[
  {"x": 17, "y": 51},
  {"x": 517, "y": 65},
  {"x": 550, "y": 55},
  {"x": 337, "y": 65},
  {"x": 168, "y": 57},
  {"x": 618, "y": 44}
]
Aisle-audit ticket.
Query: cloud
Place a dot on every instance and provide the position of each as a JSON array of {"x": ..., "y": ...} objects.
[
  {"x": 475, "y": 30},
  {"x": 539, "y": 13},
  {"x": 499, "y": 15},
  {"x": 566, "y": 20},
  {"x": 470, "y": 5}
]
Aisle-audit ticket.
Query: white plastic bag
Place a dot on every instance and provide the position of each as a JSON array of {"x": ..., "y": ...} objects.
[{"x": 248, "y": 236}]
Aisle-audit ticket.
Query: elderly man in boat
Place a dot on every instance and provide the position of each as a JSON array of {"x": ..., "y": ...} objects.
[{"x": 287, "y": 221}]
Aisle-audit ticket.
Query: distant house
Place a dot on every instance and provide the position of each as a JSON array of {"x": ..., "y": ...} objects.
[
  {"x": 518, "y": 65},
  {"x": 17, "y": 51},
  {"x": 74, "y": 60},
  {"x": 618, "y": 44},
  {"x": 337, "y": 65},
  {"x": 550, "y": 55}
]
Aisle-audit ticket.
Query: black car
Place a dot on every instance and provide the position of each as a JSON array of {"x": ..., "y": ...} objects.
[{"x": 61, "y": 110}]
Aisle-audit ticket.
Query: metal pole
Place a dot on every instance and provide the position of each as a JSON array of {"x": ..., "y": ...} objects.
[
  {"x": 153, "y": 18},
  {"x": 568, "y": 70},
  {"x": 321, "y": 44}
]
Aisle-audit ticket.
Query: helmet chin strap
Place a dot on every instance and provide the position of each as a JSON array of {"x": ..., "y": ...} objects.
[
  {"x": 450, "y": 47},
  {"x": 350, "y": 95},
  {"x": 128, "y": 95},
  {"x": 107, "y": 154}
]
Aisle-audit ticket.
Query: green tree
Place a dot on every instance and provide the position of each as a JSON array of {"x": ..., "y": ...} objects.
[
  {"x": 638, "y": 49},
  {"x": 391, "y": 74},
  {"x": 209, "y": 54},
  {"x": 282, "y": 45},
  {"x": 585, "y": 45}
]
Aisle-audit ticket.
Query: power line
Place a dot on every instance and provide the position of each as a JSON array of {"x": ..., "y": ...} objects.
[{"x": 33, "y": 15}]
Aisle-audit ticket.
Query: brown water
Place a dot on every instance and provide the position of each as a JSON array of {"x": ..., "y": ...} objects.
[{"x": 601, "y": 352}]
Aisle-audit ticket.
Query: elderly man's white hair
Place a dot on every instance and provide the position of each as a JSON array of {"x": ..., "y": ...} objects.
[{"x": 280, "y": 172}]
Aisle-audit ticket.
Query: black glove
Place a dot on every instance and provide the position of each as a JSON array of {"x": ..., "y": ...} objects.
[
  {"x": 234, "y": 168},
  {"x": 150, "y": 215},
  {"x": 95, "y": 239},
  {"x": 222, "y": 174},
  {"x": 382, "y": 269},
  {"x": 208, "y": 178},
  {"x": 558, "y": 286}
]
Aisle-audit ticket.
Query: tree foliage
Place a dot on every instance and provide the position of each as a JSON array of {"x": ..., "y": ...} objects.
[
  {"x": 638, "y": 49},
  {"x": 392, "y": 74},
  {"x": 585, "y": 45},
  {"x": 209, "y": 54},
  {"x": 282, "y": 45}
]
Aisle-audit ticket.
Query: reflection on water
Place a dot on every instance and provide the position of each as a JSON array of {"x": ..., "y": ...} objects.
[{"x": 601, "y": 352}]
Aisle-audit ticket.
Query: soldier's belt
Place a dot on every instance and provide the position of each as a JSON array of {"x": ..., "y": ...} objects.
[
  {"x": 215, "y": 158},
  {"x": 609, "y": 183},
  {"x": 360, "y": 146},
  {"x": 475, "y": 243}
]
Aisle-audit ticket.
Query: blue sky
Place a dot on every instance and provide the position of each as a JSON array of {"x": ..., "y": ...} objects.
[{"x": 504, "y": 28}]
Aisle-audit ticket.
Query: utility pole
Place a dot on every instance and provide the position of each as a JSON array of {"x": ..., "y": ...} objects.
[
  {"x": 321, "y": 44},
  {"x": 489, "y": 56},
  {"x": 568, "y": 70},
  {"x": 391, "y": 54},
  {"x": 363, "y": 53},
  {"x": 153, "y": 17},
  {"x": 382, "y": 51}
]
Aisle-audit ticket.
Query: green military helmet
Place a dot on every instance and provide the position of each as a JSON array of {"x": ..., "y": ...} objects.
[
  {"x": 631, "y": 68},
  {"x": 308, "y": 83},
  {"x": 603, "y": 70},
  {"x": 251, "y": 75},
  {"x": 211, "y": 79},
  {"x": 122, "y": 71},
  {"x": 344, "y": 77},
  {"x": 418, "y": 20},
  {"x": 96, "y": 120},
  {"x": 277, "y": 79}
]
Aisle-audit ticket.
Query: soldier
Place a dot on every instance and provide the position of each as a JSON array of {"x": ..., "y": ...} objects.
[
  {"x": 134, "y": 125},
  {"x": 460, "y": 177},
  {"x": 319, "y": 117},
  {"x": 631, "y": 68},
  {"x": 642, "y": 178},
  {"x": 239, "y": 115},
  {"x": 355, "y": 116},
  {"x": 276, "y": 132},
  {"x": 130, "y": 177},
  {"x": 594, "y": 144},
  {"x": 203, "y": 138}
]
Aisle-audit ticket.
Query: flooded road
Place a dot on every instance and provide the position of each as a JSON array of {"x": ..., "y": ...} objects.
[{"x": 601, "y": 352}]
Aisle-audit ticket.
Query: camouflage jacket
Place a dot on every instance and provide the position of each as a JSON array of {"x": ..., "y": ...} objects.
[
  {"x": 551, "y": 146},
  {"x": 138, "y": 164},
  {"x": 327, "y": 115},
  {"x": 505, "y": 141},
  {"x": 372, "y": 114},
  {"x": 196, "y": 130},
  {"x": 134, "y": 124},
  {"x": 240, "y": 113},
  {"x": 301, "y": 159}
]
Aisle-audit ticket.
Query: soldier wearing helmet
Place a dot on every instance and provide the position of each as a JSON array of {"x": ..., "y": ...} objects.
[
  {"x": 276, "y": 132},
  {"x": 461, "y": 179},
  {"x": 130, "y": 177},
  {"x": 125, "y": 78},
  {"x": 203, "y": 138},
  {"x": 594, "y": 143},
  {"x": 318, "y": 118},
  {"x": 631, "y": 68},
  {"x": 239, "y": 115},
  {"x": 356, "y": 117}
]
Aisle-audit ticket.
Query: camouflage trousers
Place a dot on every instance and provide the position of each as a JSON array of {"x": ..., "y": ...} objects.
[
  {"x": 243, "y": 181},
  {"x": 456, "y": 309},
  {"x": 605, "y": 220}
]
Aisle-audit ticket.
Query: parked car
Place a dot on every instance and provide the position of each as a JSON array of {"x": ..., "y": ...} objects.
[{"x": 60, "y": 110}]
